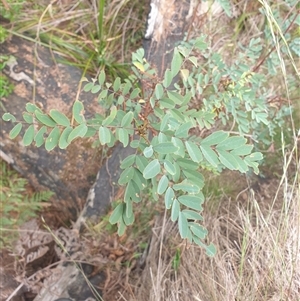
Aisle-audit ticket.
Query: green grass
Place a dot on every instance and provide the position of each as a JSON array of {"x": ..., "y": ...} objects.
[
  {"x": 18, "y": 203},
  {"x": 92, "y": 35}
]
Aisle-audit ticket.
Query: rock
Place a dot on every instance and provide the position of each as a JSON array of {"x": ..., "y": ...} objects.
[{"x": 49, "y": 84}]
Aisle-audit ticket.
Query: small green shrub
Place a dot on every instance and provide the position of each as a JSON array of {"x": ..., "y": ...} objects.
[
  {"x": 160, "y": 122},
  {"x": 177, "y": 125}
]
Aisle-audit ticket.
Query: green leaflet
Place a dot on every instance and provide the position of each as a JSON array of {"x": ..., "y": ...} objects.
[
  {"x": 152, "y": 169},
  {"x": 9, "y": 117},
  {"x": 29, "y": 135},
  {"x": 39, "y": 137},
  {"x": 215, "y": 138},
  {"x": 59, "y": 118},
  {"x": 104, "y": 135},
  {"x": 175, "y": 211},
  {"x": 191, "y": 201},
  {"x": 183, "y": 225},
  {"x": 162, "y": 184},
  {"x": 165, "y": 148},
  {"x": 187, "y": 186},
  {"x": 123, "y": 136},
  {"x": 78, "y": 131},
  {"x": 78, "y": 109},
  {"x": 52, "y": 140},
  {"x": 176, "y": 62},
  {"x": 117, "y": 214},
  {"x": 210, "y": 155},
  {"x": 194, "y": 151},
  {"x": 169, "y": 197},
  {"x": 63, "y": 140},
  {"x": 44, "y": 119}
]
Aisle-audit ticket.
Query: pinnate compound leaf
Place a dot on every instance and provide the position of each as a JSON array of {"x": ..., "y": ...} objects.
[
  {"x": 9, "y": 117},
  {"x": 53, "y": 139},
  {"x": 63, "y": 140},
  {"x": 15, "y": 131},
  {"x": 210, "y": 155},
  {"x": 194, "y": 151},
  {"x": 165, "y": 148},
  {"x": 183, "y": 225},
  {"x": 104, "y": 135},
  {"x": 152, "y": 169},
  {"x": 175, "y": 211},
  {"x": 117, "y": 214},
  {"x": 78, "y": 109},
  {"x": 169, "y": 197},
  {"x": 191, "y": 201},
  {"x": 59, "y": 118},
  {"x": 44, "y": 119},
  {"x": 29, "y": 135},
  {"x": 215, "y": 138},
  {"x": 39, "y": 137},
  {"x": 78, "y": 131},
  {"x": 162, "y": 184}
]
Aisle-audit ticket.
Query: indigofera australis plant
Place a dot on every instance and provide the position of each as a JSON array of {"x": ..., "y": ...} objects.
[{"x": 173, "y": 127}]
